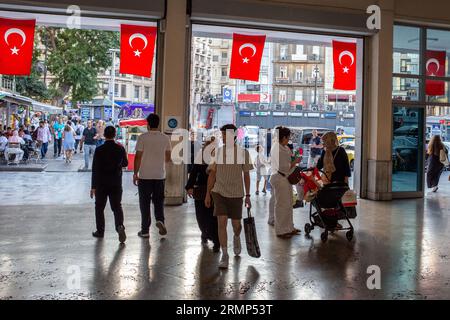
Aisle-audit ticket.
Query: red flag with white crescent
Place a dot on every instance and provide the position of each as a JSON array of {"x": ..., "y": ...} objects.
[
  {"x": 137, "y": 47},
  {"x": 435, "y": 67},
  {"x": 246, "y": 56},
  {"x": 344, "y": 63},
  {"x": 16, "y": 46}
]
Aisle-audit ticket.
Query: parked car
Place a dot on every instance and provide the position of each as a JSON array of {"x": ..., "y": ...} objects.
[
  {"x": 344, "y": 138},
  {"x": 350, "y": 149}
]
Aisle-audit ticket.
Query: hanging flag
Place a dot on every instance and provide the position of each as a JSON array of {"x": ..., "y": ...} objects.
[
  {"x": 246, "y": 57},
  {"x": 344, "y": 62},
  {"x": 16, "y": 46},
  {"x": 137, "y": 46},
  {"x": 435, "y": 67}
]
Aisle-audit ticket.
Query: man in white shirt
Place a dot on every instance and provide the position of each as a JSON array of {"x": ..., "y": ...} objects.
[
  {"x": 78, "y": 129},
  {"x": 153, "y": 151},
  {"x": 44, "y": 136}
]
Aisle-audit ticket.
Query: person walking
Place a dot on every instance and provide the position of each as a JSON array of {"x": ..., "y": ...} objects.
[
  {"x": 100, "y": 132},
  {"x": 315, "y": 149},
  {"x": 79, "y": 128},
  {"x": 262, "y": 169},
  {"x": 43, "y": 137},
  {"x": 196, "y": 188},
  {"x": 153, "y": 151},
  {"x": 228, "y": 173},
  {"x": 109, "y": 159},
  {"x": 89, "y": 142},
  {"x": 58, "y": 128},
  {"x": 437, "y": 157},
  {"x": 280, "y": 206},
  {"x": 68, "y": 141}
]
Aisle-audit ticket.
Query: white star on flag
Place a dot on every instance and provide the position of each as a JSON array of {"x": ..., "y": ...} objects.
[
  {"x": 345, "y": 69},
  {"x": 15, "y": 51},
  {"x": 137, "y": 53},
  {"x": 245, "y": 60}
]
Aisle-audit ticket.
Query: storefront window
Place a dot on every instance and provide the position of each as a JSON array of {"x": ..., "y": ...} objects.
[{"x": 407, "y": 149}]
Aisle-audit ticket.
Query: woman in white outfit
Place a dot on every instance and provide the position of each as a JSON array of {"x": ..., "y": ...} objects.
[{"x": 280, "y": 207}]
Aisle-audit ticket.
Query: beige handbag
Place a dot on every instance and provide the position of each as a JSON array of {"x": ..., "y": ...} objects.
[{"x": 443, "y": 157}]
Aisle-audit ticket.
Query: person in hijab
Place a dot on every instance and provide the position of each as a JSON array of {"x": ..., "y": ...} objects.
[
  {"x": 436, "y": 157},
  {"x": 333, "y": 161}
]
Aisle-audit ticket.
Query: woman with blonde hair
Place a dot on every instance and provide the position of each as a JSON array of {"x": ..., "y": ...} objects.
[
  {"x": 334, "y": 160},
  {"x": 437, "y": 156}
]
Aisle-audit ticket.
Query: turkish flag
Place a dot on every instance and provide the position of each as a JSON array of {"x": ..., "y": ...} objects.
[
  {"x": 16, "y": 46},
  {"x": 246, "y": 57},
  {"x": 137, "y": 46},
  {"x": 344, "y": 62},
  {"x": 435, "y": 67}
]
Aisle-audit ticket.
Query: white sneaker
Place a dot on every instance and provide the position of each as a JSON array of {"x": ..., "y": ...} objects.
[
  {"x": 223, "y": 264},
  {"x": 237, "y": 245}
]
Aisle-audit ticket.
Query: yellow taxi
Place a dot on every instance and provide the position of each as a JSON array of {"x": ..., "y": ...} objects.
[
  {"x": 350, "y": 149},
  {"x": 343, "y": 138}
]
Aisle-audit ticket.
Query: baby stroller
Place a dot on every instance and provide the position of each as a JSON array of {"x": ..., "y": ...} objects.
[{"x": 326, "y": 208}]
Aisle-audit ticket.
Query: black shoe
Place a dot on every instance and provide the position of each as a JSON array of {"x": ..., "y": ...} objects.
[
  {"x": 98, "y": 234},
  {"x": 162, "y": 228},
  {"x": 216, "y": 248},
  {"x": 144, "y": 234},
  {"x": 122, "y": 234}
]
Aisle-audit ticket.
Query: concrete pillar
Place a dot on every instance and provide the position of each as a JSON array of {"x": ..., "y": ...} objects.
[
  {"x": 173, "y": 96},
  {"x": 379, "y": 108}
]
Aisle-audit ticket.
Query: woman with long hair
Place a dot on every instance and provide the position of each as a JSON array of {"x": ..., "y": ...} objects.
[
  {"x": 436, "y": 152},
  {"x": 68, "y": 141}
]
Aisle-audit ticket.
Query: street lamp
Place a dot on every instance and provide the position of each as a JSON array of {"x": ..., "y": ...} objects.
[
  {"x": 113, "y": 80},
  {"x": 316, "y": 72}
]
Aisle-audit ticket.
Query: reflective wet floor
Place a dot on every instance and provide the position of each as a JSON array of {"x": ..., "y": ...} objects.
[{"x": 47, "y": 252}]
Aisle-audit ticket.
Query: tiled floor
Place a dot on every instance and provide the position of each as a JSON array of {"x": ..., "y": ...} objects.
[{"x": 45, "y": 242}]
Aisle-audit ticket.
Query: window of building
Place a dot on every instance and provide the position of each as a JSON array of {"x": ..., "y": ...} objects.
[
  {"x": 283, "y": 72},
  {"x": 224, "y": 54},
  {"x": 299, "y": 74},
  {"x": 116, "y": 90},
  {"x": 283, "y": 52},
  {"x": 299, "y": 49},
  {"x": 137, "y": 92},
  {"x": 224, "y": 72},
  {"x": 298, "y": 95},
  {"x": 316, "y": 52},
  {"x": 123, "y": 90},
  {"x": 282, "y": 96},
  {"x": 215, "y": 58},
  {"x": 147, "y": 93}
]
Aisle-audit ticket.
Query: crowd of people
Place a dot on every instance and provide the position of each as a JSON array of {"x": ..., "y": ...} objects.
[{"x": 69, "y": 136}]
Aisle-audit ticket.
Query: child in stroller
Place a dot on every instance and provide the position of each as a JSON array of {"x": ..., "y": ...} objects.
[{"x": 326, "y": 207}]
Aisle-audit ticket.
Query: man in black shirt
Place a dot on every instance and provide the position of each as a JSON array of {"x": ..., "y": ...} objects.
[
  {"x": 109, "y": 159},
  {"x": 89, "y": 141}
]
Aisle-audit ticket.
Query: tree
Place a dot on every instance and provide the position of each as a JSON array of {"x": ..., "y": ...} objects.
[{"x": 74, "y": 59}]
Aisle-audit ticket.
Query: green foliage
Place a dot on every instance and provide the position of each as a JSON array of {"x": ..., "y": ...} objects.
[{"x": 74, "y": 59}]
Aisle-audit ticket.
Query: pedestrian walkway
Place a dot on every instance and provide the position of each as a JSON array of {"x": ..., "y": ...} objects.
[{"x": 47, "y": 219}]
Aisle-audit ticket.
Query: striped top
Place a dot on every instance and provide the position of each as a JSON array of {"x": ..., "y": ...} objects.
[{"x": 230, "y": 164}]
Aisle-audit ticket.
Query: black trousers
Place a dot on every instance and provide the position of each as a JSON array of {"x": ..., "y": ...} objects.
[
  {"x": 102, "y": 193},
  {"x": 207, "y": 222},
  {"x": 151, "y": 191},
  {"x": 57, "y": 146}
]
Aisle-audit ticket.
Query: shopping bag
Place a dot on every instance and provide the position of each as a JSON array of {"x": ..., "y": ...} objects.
[
  {"x": 250, "y": 236},
  {"x": 349, "y": 199}
]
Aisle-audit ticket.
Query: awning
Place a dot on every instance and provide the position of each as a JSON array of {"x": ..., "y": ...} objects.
[
  {"x": 15, "y": 98},
  {"x": 133, "y": 123},
  {"x": 39, "y": 106},
  {"x": 99, "y": 103}
]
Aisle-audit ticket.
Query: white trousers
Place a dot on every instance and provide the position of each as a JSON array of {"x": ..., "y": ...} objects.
[
  {"x": 280, "y": 206},
  {"x": 18, "y": 152}
]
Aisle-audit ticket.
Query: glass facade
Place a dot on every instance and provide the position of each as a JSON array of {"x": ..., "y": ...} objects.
[{"x": 421, "y": 100}]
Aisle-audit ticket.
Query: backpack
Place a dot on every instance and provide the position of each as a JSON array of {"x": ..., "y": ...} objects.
[{"x": 78, "y": 131}]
